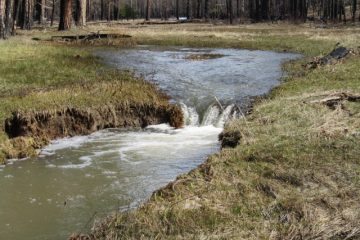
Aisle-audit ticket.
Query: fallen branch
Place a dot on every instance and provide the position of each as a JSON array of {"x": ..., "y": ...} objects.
[
  {"x": 336, "y": 99},
  {"x": 89, "y": 37}
]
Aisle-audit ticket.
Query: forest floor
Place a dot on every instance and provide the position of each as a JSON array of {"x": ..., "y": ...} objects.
[{"x": 295, "y": 173}]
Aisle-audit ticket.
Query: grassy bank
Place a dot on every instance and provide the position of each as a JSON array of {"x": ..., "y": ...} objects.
[
  {"x": 295, "y": 173},
  {"x": 37, "y": 76}
]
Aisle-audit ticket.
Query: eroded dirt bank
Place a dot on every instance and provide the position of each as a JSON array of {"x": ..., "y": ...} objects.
[{"x": 29, "y": 131}]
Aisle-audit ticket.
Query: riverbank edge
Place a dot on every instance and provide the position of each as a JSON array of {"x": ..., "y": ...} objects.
[
  {"x": 30, "y": 131},
  {"x": 125, "y": 226},
  {"x": 109, "y": 98},
  {"x": 228, "y": 139}
]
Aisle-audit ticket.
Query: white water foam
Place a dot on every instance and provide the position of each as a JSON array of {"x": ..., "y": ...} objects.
[
  {"x": 214, "y": 115},
  {"x": 226, "y": 115},
  {"x": 86, "y": 161},
  {"x": 154, "y": 141},
  {"x": 64, "y": 143},
  {"x": 191, "y": 117},
  {"x": 165, "y": 140}
]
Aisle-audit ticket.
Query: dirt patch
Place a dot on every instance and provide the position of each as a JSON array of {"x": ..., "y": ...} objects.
[{"x": 230, "y": 139}]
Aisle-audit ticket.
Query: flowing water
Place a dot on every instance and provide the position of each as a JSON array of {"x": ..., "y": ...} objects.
[{"x": 76, "y": 179}]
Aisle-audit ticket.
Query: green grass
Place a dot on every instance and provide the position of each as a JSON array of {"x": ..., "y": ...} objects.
[
  {"x": 295, "y": 173},
  {"x": 295, "y": 44},
  {"x": 27, "y": 66},
  {"x": 38, "y": 76}
]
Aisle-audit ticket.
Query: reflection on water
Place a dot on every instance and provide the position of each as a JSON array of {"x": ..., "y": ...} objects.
[{"x": 76, "y": 178}]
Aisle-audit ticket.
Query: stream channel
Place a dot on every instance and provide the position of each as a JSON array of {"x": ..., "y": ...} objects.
[{"x": 76, "y": 179}]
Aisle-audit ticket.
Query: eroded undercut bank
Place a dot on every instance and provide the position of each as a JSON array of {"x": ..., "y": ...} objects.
[{"x": 29, "y": 131}]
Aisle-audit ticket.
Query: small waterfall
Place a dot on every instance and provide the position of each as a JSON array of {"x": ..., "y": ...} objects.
[
  {"x": 214, "y": 115},
  {"x": 211, "y": 115},
  {"x": 191, "y": 117},
  {"x": 226, "y": 115}
]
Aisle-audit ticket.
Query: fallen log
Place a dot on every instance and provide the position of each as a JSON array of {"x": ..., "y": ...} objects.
[
  {"x": 89, "y": 37},
  {"x": 334, "y": 100},
  {"x": 332, "y": 58},
  {"x": 158, "y": 22}
]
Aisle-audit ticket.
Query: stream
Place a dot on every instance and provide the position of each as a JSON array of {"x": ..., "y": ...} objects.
[{"x": 76, "y": 180}]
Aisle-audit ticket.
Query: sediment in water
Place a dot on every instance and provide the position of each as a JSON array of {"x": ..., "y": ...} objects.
[{"x": 29, "y": 131}]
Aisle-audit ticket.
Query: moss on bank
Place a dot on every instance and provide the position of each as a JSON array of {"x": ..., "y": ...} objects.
[{"x": 295, "y": 173}]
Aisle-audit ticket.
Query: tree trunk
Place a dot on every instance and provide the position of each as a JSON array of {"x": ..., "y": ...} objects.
[
  {"x": 230, "y": 11},
  {"x": 102, "y": 7},
  {"x": 2, "y": 19},
  {"x": 354, "y": 8},
  {"x": 188, "y": 9},
  {"x": 17, "y": 4},
  {"x": 206, "y": 9},
  {"x": 52, "y": 13},
  {"x": 108, "y": 15},
  {"x": 265, "y": 9},
  {"x": 80, "y": 13},
  {"x": 251, "y": 9},
  {"x": 65, "y": 15},
  {"x": 238, "y": 8},
  {"x": 165, "y": 9},
  {"x": 148, "y": 8},
  {"x": 27, "y": 14},
  {"x": 40, "y": 8},
  {"x": 177, "y": 9},
  {"x": 8, "y": 23},
  {"x": 198, "y": 9},
  {"x": 88, "y": 10},
  {"x": 257, "y": 10}
]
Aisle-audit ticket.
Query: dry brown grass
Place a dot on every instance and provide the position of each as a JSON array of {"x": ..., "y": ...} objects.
[{"x": 295, "y": 173}]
